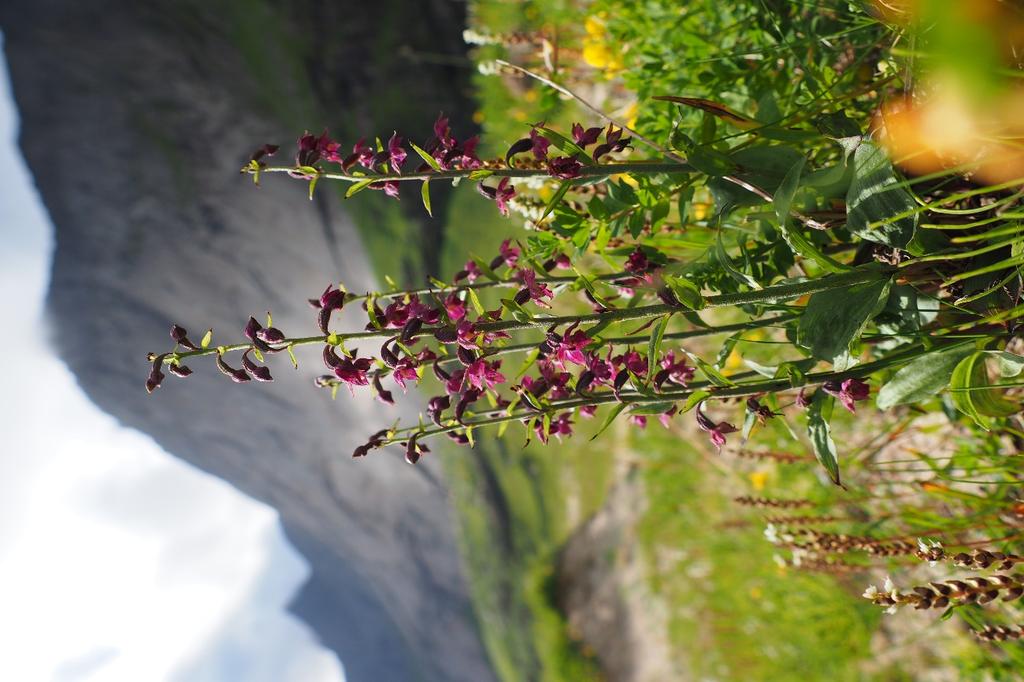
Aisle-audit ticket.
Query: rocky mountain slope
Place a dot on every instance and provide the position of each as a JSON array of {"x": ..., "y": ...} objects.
[{"x": 135, "y": 120}]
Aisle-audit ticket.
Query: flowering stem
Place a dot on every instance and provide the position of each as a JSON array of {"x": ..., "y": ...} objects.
[
  {"x": 598, "y": 170},
  {"x": 716, "y": 393},
  {"x": 551, "y": 279},
  {"x": 768, "y": 295}
]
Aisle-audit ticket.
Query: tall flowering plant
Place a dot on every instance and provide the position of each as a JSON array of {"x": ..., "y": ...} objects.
[{"x": 575, "y": 334}]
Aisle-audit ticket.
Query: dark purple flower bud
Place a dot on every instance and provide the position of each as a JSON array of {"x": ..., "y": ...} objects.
[
  {"x": 415, "y": 450},
  {"x": 600, "y": 150},
  {"x": 258, "y": 372},
  {"x": 585, "y": 138},
  {"x": 446, "y": 335},
  {"x": 802, "y": 401},
  {"x": 467, "y": 399},
  {"x": 466, "y": 356},
  {"x": 180, "y": 337},
  {"x": 331, "y": 358},
  {"x": 441, "y": 375},
  {"x": 562, "y": 262},
  {"x": 411, "y": 329},
  {"x": 565, "y": 168},
  {"x": 156, "y": 376},
  {"x": 620, "y": 380},
  {"x": 307, "y": 154},
  {"x": 264, "y": 151},
  {"x": 383, "y": 395},
  {"x": 518, "y": 147},
  {"x": 585, "y": 381},
  {"x": 762, "y": 412},
  {"x": 251, "y": 328},
  {"x": 460, "y": 438},
  {"x": 180, "y": 370},
  {"x": 588, "y": 411},
  {"x": 436, "y": 406},
  {"x": 666, "y": 417},
  {"x": 236, "y": 375},
  {"x": 270, "y": 335},
  {"x": 470, "y": 271},
  {"x": 388, "y": 356}
]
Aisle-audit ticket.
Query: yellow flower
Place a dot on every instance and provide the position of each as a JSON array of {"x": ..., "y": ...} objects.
[
  {"x": 478, "y": 117},
  {"x": 734, "y": 361},
  {"x": 756, "y": 592},
  {"x": 595, "y": 27},
  {"x": 626, "y": 178},
  {"x": 630, "y": 114},
  {"x": 758, "y": 479},
  {"x": 596, "y": 54},
  {"x": 519, "y": 115},
  {"x": 700, "y": 210}
]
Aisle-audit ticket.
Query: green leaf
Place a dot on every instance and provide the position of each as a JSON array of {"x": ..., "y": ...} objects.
[
  {"x": 835, "y": 318},
  {"x": 358, "y": 187},
  {"x": 921, "y": 379},
  {"x": 565, "y": 145},
  {"x": 654, "y": 346},
  {"x": 207, "y": 338},
  {"x": 685, "y": 291},
  {"x": 798, "y": 243},
  {"x": 519, "y": 314},
  {"x": 291, "y": 355},
  {"x": 312, "y": 186},
  {"x": 875, "y": 194},
  {"x": 425, "y": 194},
  {"x": 971, "y": 395},
  {"x": 712, "y": 374},
  {"x": 723, "y": 259},
  {"x": 427, "y": 158},
  {"x": 820, "y": 433},
  {"x": 475, "y": 301},
  {"x": 480, "y": 174},
  {"x": 616, "y": 411},
  {"x": 557, "y": 198},
  {"x": 695, "y": 399}
]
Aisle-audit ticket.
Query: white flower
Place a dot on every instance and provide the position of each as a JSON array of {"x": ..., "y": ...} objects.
[
  {"x": 892, "y": 609},
  {"x": 472, "y": 37},
  {"x": 779, "y": 560},
  {"x": 870, "y": 593},
  {"x": 771, "y": 533},
  {"x": 889, "y": 586}
]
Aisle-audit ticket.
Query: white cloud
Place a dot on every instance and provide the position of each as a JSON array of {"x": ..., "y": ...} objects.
[{"x": 118, "y": 561}]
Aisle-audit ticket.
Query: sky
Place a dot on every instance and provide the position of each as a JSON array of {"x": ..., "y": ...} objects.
[{"x": 117, "y": 560}]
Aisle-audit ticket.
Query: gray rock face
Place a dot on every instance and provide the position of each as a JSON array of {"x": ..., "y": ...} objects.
[{"x": 135, "y": 120}]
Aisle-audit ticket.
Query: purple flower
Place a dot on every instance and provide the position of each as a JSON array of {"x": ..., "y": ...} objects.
[
  {"x": 570, "y": 348},
  {"x": 507, "y": 254},
  {"x": 482, "y": 374},
  {"x": 638, "y": 262},
  {"x": 332, "y": 299},
  {"x": 588, "y": 411},
  {"x": 562, "y": 262},
  {"x": 455, "y": 382},
  {"x": 802, "y": 401},
  {"x": 638, "y": 420},
  {"x": 633, "y": 361},
  {"x": 405, "y": 370},
  {"x": 180, "y": 370},
  {"x": 399, "y": 314},
  {"x": 715, "y": 431},
  {"x": 383, "y": 395},
  {"x": 666, "y": 417},
  {"x": 534, "y": 291},
  {"x": 362, "y": 154},
  {"x": 270, "y": 335},
  {"x": 470, "y": 272},
  {"x": 613, "y": 142},
  {"x": 413, "y": 450},
  {"x": 565, "y": 167},
  {"x": 677, "y": 372},
  {"x": 587, "y": 137},
  {"x": 352, "y": 370},
  {"x": 849, "y": 392},
  {"x": 762, "y": 412},
  {"x": 455, "y": 307},
  {"x": 539, "y": 145},
  {"x": 313, "y": 148},
  {"x": 396, "y": 154},
  {"x": 503, "y": 194}
]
